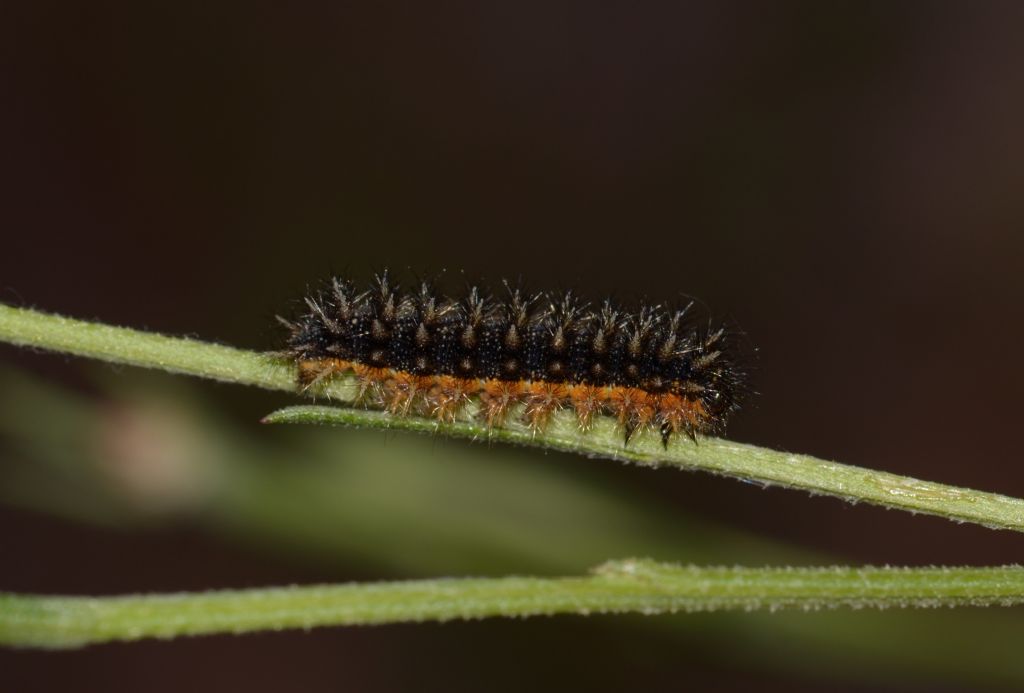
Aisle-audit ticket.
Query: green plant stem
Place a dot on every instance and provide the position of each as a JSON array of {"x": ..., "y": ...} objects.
[
  {"x": 747, "y": 462},
  {"x": 639, "y": 586},
  {"x": 31, "y": 328},
  {"x": 120, "y": 345}
]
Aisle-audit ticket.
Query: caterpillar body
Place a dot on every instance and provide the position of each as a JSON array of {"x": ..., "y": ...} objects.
[{"x": 531, "y": 353}]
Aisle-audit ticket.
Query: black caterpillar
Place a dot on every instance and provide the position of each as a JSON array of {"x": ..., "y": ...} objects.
[{"x": 425, "y": 352}]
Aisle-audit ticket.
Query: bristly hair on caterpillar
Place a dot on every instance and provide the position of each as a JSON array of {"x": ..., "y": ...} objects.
[{"x": 422, "y": 352}]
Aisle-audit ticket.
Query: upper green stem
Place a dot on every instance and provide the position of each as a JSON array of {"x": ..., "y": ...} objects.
[
  {"x": 31, "y": 328},
  {"x": 747, "y": 462}
]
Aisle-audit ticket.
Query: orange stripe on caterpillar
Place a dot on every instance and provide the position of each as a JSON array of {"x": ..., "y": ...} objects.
[{"x": 446, "y": 397}]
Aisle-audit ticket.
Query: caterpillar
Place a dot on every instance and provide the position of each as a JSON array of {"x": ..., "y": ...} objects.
[{"x": 422, "y": 352}]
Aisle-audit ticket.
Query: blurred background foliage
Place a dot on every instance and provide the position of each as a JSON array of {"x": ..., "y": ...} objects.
[{"x": 843, "y": 179}]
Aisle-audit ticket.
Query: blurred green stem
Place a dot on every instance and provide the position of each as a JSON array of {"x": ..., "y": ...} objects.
[
  {"x": 177, "y": 355},
  {"x": 639, "y": 586}
]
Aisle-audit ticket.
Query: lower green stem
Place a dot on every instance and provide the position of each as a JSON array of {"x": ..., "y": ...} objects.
[{"x": 638, "y": 586}]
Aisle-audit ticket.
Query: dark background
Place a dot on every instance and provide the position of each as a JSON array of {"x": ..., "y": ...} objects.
[{"x": 842, "y": 179}]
